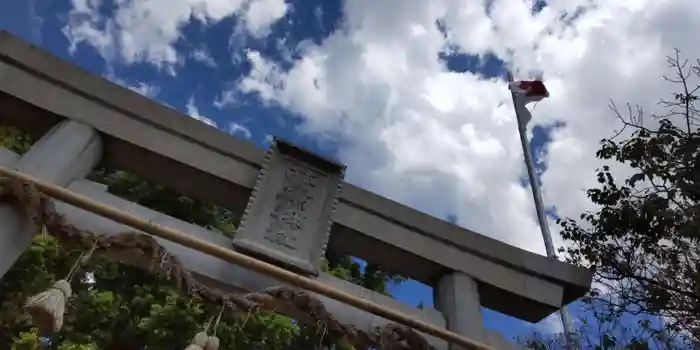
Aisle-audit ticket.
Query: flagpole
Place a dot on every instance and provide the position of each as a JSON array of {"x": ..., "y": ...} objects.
[{"x": 541, "y": 215}]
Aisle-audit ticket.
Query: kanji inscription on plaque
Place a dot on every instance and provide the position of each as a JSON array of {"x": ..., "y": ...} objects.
[{"x": 288, "y": 217}]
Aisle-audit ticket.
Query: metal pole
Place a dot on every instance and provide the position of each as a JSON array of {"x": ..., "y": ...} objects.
[
  {"x": 535, "y": 186},
  {"x": 541, "y": 215}
]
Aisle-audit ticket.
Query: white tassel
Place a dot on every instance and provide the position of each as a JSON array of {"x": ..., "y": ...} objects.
[
  {"x": 212, "y": 343},
  {"x": 47, "y": 308},
  {"x": 199, "y": 342}
]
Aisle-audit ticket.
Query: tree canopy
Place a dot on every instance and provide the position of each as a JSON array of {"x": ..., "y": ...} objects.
[{"x": 642, "y": 240}]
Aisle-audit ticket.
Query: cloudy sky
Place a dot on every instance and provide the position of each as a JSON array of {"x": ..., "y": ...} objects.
[{"x": 408, "y": 93}]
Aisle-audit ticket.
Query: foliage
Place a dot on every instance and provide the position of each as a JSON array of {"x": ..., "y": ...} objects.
[
  {"x": 33, "y": 341},
  {"x": 601, "y": 331},
  {"x": 642, "y": 242},
  {"x": 125, "y": 308},
  {"x": 121, "y": 307},
  {"x": 14, "y": 140},
  {"x": 165, "y": 200},
  {"x": 373, "y": 277}
]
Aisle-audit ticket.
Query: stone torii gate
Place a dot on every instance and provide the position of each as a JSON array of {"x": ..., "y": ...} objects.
[{"x": 295, "y": 203}]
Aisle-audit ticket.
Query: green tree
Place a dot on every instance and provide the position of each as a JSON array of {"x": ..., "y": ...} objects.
[
  {"x": 642, "y": 240},
  {"x": 373, "y": 277},
  {"x": 598, "y": 330},
  {"x": 125, "y": 307}
]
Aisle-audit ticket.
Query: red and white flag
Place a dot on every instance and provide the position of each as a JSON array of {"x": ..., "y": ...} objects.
[{"x": 526, "y": 91}]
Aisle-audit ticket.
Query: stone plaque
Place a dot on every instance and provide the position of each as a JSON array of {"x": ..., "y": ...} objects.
[{"x": 288, "y": 217}]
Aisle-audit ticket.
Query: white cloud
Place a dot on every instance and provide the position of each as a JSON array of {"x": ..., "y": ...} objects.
[
  {"x": 228, "y": 98},
  {"x": 145, "y": 89},
  {"x": 193, "y": 112},
  {"x": 452, "y": 138},
  {"x": 268, "y": 139},
  {"x": 202, "y": 55},
  {"x": 146, "y": 30},
  {"x": 550, "y": 325},
  {"x": 235, "y": 128},
  {"x": 261, "y": 14},
  {"x": 36, "y": 9}
]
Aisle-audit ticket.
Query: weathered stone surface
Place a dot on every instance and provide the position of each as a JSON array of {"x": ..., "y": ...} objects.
[
  {"x": 288, "y": 217},
  {"x": 457, "y": 296},
  {"x": 68, "y": 151}
]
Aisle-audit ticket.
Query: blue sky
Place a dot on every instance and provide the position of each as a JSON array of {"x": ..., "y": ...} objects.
[{"x": 200, "y": 84}]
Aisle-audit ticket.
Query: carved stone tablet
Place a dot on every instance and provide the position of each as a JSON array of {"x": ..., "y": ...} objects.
[{"x": 288, "y": 217}]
